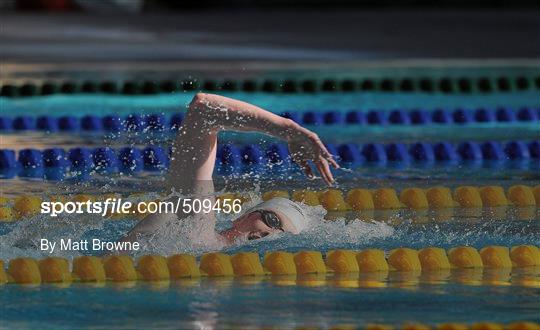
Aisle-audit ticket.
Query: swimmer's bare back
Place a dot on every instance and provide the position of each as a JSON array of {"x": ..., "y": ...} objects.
[{"x": 195, "y": 147}]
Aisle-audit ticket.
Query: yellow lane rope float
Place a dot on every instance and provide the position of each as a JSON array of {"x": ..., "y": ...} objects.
[
  {"x": 216, "y": 264},
  {"x": 520, "y": 325},
  {"x": 333, "y": 200}
]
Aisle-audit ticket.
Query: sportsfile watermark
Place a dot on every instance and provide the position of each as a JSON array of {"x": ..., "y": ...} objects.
[{"x": 111, "y": 206}]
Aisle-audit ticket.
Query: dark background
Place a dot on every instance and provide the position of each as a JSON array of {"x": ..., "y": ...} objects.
[
  {"x": 201, "y": 33},
  {"x": 199, "y": 4}
]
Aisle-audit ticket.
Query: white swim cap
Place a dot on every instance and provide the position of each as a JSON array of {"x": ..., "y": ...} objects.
[{"x": 290, "y": 209}]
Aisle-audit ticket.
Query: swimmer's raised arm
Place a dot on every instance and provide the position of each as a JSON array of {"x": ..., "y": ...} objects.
[
  {"x": 196, "y": 144},
  {"x": 195, "y": 148}
]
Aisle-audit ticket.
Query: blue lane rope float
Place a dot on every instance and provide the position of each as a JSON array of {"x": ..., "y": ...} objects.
[
  {"x": 162, "y": 123},
  {"x": 53, "y": 163},
  {"x": 415, "y": 116},
  {"x": 447, "y": 85}
]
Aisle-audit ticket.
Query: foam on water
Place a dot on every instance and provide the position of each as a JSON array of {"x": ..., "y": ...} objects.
[
  {"x": 24, "y": 238},
  {"x": 325, "y": 232},
  {"x": 191, "y": 235}
]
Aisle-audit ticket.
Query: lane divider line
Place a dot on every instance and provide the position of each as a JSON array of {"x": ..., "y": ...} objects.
[
  {"x": 56, "y": 163},
  {"x": 333, "y": 200},
  {"x": 123, "y": 268},
  {"x": 156, "y": 122},
  {"x": 444, "y": 85}
]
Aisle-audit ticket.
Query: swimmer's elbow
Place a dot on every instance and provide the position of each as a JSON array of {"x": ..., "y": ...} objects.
[
  {"x": 199, "y": 101},
  {"x": 199, "y": 106}
]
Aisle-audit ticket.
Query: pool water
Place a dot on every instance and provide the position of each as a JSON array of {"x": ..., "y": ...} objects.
[
  {"x": 258, "y": 303},
  {"x": 465, "y": 295},
  {"x": 167, "y": 104},
  {"x": 391, "y": 298}
]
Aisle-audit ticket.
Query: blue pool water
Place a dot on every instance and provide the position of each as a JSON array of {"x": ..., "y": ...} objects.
[
  {"x": 226, "y": 304},
  {"x": 392, "y": 298}
]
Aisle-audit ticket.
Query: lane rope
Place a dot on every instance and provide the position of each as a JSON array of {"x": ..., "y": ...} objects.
[
  {"x": 79, "y": 162},
  {"x": 333, "y": 200},
  {"x": 158, "y": 122},
  {"x": 446, "y": 85},
  {"x": 123, "y": 268}
]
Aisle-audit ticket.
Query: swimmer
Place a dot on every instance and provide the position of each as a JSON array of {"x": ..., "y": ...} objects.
[{"x": 194, "y": 156}]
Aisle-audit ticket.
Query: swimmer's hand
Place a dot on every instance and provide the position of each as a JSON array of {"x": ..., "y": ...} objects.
[{"x": 305, "y": 146}]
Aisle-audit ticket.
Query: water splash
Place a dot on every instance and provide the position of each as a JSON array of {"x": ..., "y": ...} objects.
[
  {"x": 196, "y": 236},
  {"x": 25, "y": 237}
]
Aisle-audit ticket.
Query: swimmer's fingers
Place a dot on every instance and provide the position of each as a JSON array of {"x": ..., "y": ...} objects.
[
  {"x": 321, "y": 168},
  {"x": 328, "y": 171},
  {"x": 304, "y": 165},
  {"x": 330, "y": 159},
  {"x": 326, "y": 154},
  {"x": 324, "y": 169}
]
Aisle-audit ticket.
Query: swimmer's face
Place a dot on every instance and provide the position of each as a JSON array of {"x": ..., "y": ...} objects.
[{"x": 258, "y": 224}]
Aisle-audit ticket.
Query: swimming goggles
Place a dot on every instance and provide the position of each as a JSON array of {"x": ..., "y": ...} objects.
[{"x": 270, "y": 219}]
